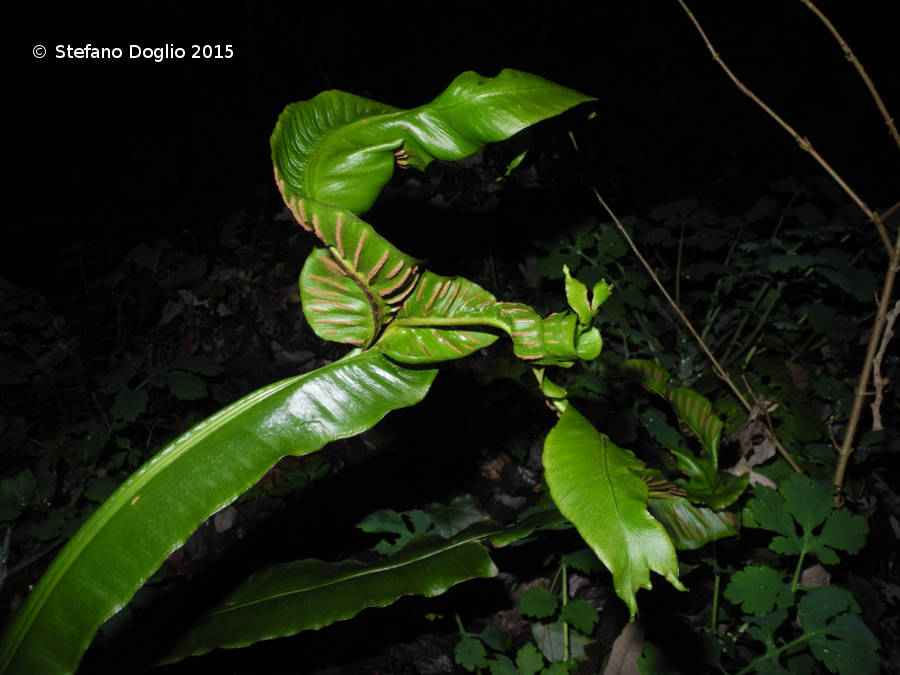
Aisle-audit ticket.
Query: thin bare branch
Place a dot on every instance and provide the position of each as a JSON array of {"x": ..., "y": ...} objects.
[
  {"x": 802, "y": 141},
  {"x": 862, "y": 383},
  {"x": 851, "y": 57},
  {"x": 878, "y": 381}
]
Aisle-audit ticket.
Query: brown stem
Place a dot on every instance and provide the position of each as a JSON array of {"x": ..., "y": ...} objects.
[
  {"x": 802, "y": 141},
  {"x": 878, "y": 381},
  {"x": 863, "y": 381},
  {"x": 851, "y": 57}
]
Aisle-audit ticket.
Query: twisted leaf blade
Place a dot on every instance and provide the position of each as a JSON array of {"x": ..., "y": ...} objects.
[{"x": 340, "y": 149}]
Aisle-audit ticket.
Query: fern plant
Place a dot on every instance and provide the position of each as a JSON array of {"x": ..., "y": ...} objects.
[{"x": 332, "y": 155}]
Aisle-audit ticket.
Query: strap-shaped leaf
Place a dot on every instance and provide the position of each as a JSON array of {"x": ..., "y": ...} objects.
[
  {"x": 597, "y": 486},
  {"x": 289, "y": 598},
  {"x": 340, "y": 149},
  {"x": 159, "y": 506},
  {"x": 286, "y": 599}
]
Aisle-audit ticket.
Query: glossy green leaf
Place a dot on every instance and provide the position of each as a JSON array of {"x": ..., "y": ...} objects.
[
  {"x": 690, "y": 526},
  {"x": 310, "y": 594},
  {"x": 447, "y": 318},
  {"x": 597, "y": 486},
  {"x": 440, "y": 320},
  {"x": 286, "y": 599},
  {"x": 341, "y": 149},
  {"x": 350, "y": 289},
  {"x": 203, "y": 470}
]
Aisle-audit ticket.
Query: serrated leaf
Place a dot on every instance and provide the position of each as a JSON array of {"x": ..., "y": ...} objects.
[
  {"x": 758, "y": 590},
  {"x": 185, "y": 386},
  {"x": 538, "y": 602},
  {"x": 580, "y": 614},
  {"x": 809, "y": 503},
  {"x": 502, "y": 665},
  {"x": 406, "y": 526},
  {"x": 529, "y": 659},
  {"x": 597, "y": 486},
  {"x": 456, "y": 516},
  {"x": 763, "y": 628},
  {"x": 129, "y": 405},
  {"x": 470, "y": 654},
  {"x": 583, "y": 560},
  {"x": 836, "y": 635}
]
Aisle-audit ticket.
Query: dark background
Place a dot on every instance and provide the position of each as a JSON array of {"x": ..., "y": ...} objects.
[{"x": 116, "y": 152}]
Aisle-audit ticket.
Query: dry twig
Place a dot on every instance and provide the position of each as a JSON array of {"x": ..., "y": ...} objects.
[
  {"x": 802, "y": 141},
  {"x": 878, "y": 381}
]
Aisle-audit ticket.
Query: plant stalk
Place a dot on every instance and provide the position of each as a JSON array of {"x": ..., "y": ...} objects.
[{"x": 863, "y": 382}]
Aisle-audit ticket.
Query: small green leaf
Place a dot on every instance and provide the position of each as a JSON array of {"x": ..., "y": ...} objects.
[
  {"x": 101, "y": 488},
  {"x": 763, "y": 628},
  {"x": 837, "y": 636},
  {"x": 129, "y": 405},
  {"x": 456, "y": 516},
  {"x": 502, "y": 665},
  {"x": 529, "y": 659},
  {"x": 758, "y": 589},
  {"x": 583, "y": 560},
  {"x": 589, "y": 344},
  {"x": 406, "y": 525},
  {"x": 185, "y": 386},
  {"x": 51, "y": 527},
  {"x": 580, "y": 614},
  {"x": 576, "y": 296},
  {"x": 538, "y": 602},
  {"x": 809, "y": 503},
  {"x": 495, "y": 638},
  {"x": 470, "y": 654},
  {"x": 513, "y": 164}
]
